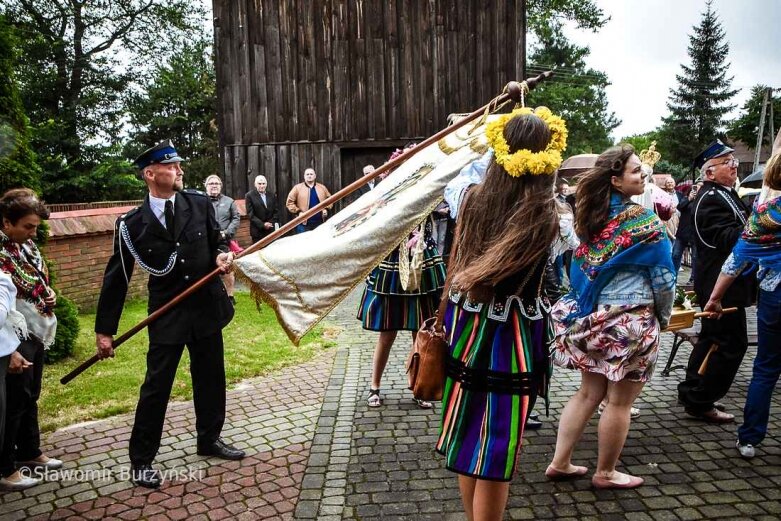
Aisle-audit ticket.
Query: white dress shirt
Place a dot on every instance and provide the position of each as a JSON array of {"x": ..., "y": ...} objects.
[{"x": 158, "y": 207}]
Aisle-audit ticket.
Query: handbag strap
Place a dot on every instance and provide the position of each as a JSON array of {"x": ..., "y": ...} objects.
[{"x": 449, "y": 276}]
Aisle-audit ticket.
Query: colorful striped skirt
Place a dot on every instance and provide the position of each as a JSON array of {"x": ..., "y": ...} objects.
[
  {"x": 385, "y": 306},
  {"x": 497, "y": 368}
]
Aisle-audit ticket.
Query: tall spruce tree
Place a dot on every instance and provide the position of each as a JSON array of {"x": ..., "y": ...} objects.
[{"x": 700, "y": 102}]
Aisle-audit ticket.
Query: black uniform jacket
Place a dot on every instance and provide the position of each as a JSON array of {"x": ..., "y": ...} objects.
[
  {"x": 719, "y": 218},
  {"x": 260, "y": 213},
  {"x": 196, "y": 243}
]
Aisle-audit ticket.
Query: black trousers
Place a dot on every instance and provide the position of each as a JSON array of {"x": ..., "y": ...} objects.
[
  {"x": 3, "y": 370},
  {"x": 698, "y": 392},
  {"x": 207, "y": 368},
  {"x": 22, "y": 439}
]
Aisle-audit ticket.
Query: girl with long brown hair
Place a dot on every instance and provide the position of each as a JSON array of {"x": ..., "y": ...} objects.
[
  {"x": 607, "y": 327},
  {"x": 496, "y": 318}
]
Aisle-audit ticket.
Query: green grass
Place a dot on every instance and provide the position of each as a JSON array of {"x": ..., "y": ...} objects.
[{"x": 255, "y": 344}]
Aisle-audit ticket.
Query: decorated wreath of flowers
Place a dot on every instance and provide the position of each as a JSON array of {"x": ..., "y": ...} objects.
[{"x": 524, "y": 161}]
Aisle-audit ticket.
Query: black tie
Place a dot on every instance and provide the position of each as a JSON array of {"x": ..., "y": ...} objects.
[{"x": 169, "y": 217}]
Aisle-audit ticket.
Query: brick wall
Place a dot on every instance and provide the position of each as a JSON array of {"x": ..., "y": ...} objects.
[
  {"x": 79, "y": 248},
  {"x": 79, "y": 262}
]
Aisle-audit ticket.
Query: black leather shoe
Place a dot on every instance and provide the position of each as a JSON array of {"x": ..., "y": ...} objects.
[
  {"x": 145, "y": 476},
  {"x": 221, "y": 449}
]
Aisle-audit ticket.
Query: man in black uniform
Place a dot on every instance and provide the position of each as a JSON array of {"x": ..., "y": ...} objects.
[
  {"x": 174, "y": 236},
  {"x": 719, "y": 218}
]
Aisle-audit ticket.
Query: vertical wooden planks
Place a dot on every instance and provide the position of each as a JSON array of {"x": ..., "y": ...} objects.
[
  {"x": 323, "y": 97},
  {"x": 273, "y": 77},
  {"x": 439, "y": 63},
  {"x": 392, "y": 81},
  {"x": 284, "y": 179},
  {"x": 407, "y": 107},
  {"x": 268, "y": 167},
  {"x": 340, "y": 109},
  {"x": 357, "y": 127},
  {"x": 259, "y": 103},
  {"x": 253, "y": 168},
  {"x": 288, "y": 46},
  {"x": 325, "y": 73}
]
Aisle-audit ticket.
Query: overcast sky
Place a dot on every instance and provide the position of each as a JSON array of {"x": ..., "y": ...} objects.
[{"x": 644, "y": 44}]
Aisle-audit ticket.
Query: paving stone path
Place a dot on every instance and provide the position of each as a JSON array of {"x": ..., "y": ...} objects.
[{"x": 318, "y": 452}]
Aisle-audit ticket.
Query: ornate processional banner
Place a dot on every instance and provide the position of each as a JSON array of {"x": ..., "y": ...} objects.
[{"x": 305, "y": 276}]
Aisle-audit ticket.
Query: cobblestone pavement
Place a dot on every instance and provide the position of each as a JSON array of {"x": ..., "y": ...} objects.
[
  {"x": 692, "y": 470},
  {"x": 273, "y": 418},
  {"x": 318, "y": 452}
]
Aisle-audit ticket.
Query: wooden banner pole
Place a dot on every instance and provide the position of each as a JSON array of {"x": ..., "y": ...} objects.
[{"x": 513, "y": 91}]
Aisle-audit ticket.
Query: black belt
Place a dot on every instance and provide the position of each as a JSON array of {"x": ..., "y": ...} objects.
[{"x": 488, "y": 381}]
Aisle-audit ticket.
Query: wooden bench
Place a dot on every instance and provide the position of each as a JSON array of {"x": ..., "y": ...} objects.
[{"x": 691, "y": 335}]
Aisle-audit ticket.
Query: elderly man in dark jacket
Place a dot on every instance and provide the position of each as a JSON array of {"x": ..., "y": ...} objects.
[
  {"x": 228, "y": 219},
  {"x": 174, "y": 237},
  {"x": 719, "y": 218},
  {"x": 262, "y": 210}
]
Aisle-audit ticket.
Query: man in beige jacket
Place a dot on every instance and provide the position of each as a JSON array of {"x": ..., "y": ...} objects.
[{"x": 304, "y": 196}]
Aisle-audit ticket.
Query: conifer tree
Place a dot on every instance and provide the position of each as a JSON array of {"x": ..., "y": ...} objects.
[{"x": 700, "y": 102}]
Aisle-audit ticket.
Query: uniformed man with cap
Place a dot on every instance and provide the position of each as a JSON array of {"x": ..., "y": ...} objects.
[
  {"x": 174, "y": 237},
  {"x": 719, "y": 218}
]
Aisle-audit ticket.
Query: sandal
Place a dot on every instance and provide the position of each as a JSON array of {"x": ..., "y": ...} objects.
[
  {"x": 634, "y": 412},
  {"x": 374, "y": 399},
  {"x": 423, "y": 404}
]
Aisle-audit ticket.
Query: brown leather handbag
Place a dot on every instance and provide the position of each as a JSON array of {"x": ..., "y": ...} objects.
[{"x": 426, "y": 361}]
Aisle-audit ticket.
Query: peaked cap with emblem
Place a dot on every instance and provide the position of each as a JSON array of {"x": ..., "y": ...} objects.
[
  {"x": 715, "y": 149},
  {"x": 162, "y": 153}
]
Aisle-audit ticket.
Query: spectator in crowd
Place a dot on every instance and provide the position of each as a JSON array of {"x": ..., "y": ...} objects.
[
  {"x": 368, "y": 187},
  {"x": 20, "y": 258},
  {"x": 759, "y": 245},
  {"x": 562, "y": 190},
  {"x": 673, "y": 222},
  {"x": 262, "y": 210},
  {"x": 228, "y": 219},
  {"x": 307, "y": 195},
  {"x": 684, "y": 238},
  {"x": 388, "y": 307},
  {"x": 440, "y": 218},
  {"x": 719, "y": 219},
  {"x": 174, "y": 236},
  {"x": 496, "y": 321},
  {"x": 608, "y": 326}
]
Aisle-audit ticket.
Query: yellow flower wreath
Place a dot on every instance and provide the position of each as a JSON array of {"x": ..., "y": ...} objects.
[{"x": 525, "y": 161}]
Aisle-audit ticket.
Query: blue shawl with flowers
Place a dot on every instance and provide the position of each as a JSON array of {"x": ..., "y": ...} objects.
[
  {"x": 760, "y": 242},
  {"x": 633, "y": 239}
]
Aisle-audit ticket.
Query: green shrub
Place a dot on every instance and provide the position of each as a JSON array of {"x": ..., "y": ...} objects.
[{"x": 67, "y": 329}]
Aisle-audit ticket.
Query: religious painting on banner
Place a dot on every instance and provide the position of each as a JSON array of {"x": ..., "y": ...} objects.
[{"x": 303, "y": 277}]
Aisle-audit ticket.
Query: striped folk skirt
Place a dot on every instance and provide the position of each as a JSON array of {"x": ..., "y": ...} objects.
[
  {"x": 385, "y": 306},
  {"x": 497, "y": 368}
]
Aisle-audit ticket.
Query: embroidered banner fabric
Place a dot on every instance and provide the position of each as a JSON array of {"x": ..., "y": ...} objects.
[{"x": 305, "y": 276}]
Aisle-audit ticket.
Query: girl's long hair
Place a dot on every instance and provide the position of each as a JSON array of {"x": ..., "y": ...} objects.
[
  {"x": 593, "y": 193},
  {"x": 507, "y": 223}
]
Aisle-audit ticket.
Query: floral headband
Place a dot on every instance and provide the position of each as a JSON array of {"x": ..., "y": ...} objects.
[{"x": 524, "y": 161}]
